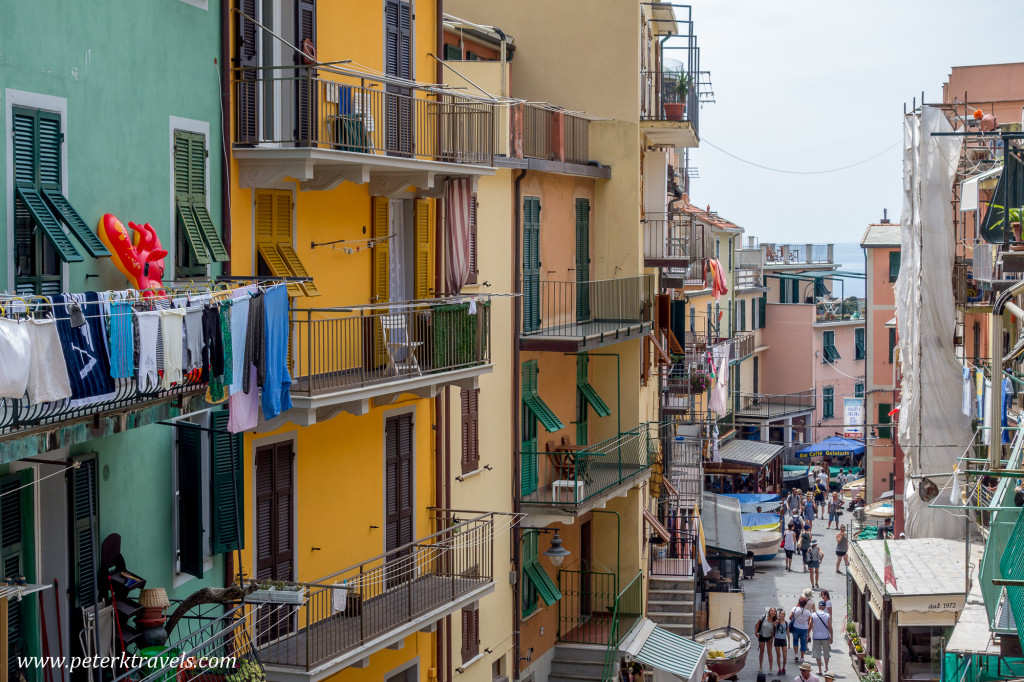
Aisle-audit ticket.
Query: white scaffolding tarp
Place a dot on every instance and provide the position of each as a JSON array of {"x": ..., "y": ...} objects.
[{"x": 933, "y": 431}]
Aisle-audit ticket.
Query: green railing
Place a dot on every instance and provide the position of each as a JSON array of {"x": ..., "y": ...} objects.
[
  {"x": 629, "y": 608},
  {"x": 573, "y": 477},
  {"x": 586, "y": 607}
]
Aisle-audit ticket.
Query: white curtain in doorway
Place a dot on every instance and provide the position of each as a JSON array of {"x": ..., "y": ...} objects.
[{"x": 457, "y": 195}]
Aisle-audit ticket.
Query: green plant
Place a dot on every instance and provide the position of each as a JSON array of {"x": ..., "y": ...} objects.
[
  {"x": 872, "y": 676},
  {"x": 1015, "y": 215},
  {"x": 247, "y": 671},
  {"x": 851, "y": 628},
  {"x": 700, "y": 383},
  {"x": 683, "y": 85},
  {"x": 869, "y": 662}
]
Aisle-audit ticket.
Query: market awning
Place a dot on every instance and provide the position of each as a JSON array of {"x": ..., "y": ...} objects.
[
  {"x": 723, "y": 524},
  {"x": 835, "y": 446},
  {"x": 665, "y": 651},
  {"x": 656, "y": 526},
  {"x": 752, "y": 453}
]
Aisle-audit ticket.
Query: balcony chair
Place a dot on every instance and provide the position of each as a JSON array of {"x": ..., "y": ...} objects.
[
  {"x": 570, "y": 472},
  {"x": 401, "y": 350}
]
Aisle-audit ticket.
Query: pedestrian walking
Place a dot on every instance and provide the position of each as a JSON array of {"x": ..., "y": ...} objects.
[
  {"x": 809, "y": 510},
  {"x": 799, "y": 622},
  {"x": 765, "y": 631},
  {"x": 793, "y": 504},
  {"x": 813, "y": 561},
  {"x": 842, "y": 547},
  {"x": 835, "y": 506},
  {"x": 841, "y": 479},
  {"x": 805, "y": 544},
  {"x": 780, "y": 640},
  {"x": 806, "y": 675},
  {"x": 789, "y": 545},
  {"x": 821, "y": 632},
  {"x": 823, "y": 477},
  {"x": 827, "y": 598},
  {"x": 819, "y": 500}
]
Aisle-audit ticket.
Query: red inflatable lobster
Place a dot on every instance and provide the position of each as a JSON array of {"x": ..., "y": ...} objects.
[{"x": 139, "y": 255}]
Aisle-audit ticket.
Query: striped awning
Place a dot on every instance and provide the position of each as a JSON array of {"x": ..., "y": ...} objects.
[{"x": 666, "y": 651}]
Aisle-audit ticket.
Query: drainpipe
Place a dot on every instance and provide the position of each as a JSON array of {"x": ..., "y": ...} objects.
[
  {"x": 225, "y": 128},
  {"x": 442, "y": 436},
  {"x": 517, "y": 288}
]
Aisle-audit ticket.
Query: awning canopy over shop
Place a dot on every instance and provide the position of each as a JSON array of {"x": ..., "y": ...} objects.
[
  {"x": 750, "y": 453},
  {"x": 666, "y": 651},
  {"x": 723, "y": 524}
]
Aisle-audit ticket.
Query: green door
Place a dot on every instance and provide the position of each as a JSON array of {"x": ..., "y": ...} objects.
[
  {"x": 582, "y": 260},
  {"x": 531, "y": 264}
]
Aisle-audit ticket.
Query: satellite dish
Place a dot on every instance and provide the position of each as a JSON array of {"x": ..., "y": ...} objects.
[{"x": 928, "y": 490}]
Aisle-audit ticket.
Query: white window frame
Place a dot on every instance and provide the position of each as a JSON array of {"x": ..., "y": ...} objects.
[
  {"x": 201, "y": 4},
  {"x": 200, "y": 419},
  {"x": 32, "y": 100},
  {"x": 188, "y": 125}
]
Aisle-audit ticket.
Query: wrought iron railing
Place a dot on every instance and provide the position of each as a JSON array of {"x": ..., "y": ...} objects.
[
  {"x": 349, "y": 608},
  {"x": 330, "y": 110},
  {"x": 663, "y": 100},
  {"x": 337, "y": 349},
  {"x": 673, "y": 241},
  {"x": 214, "y": 643},
  {"x": 585, "y": 609},
  {"x": 628, "y": 609},
  {"x": 760, "y": 405},
  {"x": 748, "y": 278},
  {"x": 678, "y": 556},
  {"x": 841, "y": 311},
  {"x": 586, "y": 308},
  {"x": 571, "y": 477},
  {"x": 797, "y": 254}
]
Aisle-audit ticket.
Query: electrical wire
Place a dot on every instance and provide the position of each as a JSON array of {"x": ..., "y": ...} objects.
[{"x": 705, "y": 140}]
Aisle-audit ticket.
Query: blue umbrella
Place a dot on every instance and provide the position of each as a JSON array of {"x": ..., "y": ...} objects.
[{"x": 836, "y": 446}]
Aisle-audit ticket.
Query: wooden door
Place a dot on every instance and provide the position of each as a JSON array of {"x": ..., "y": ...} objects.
[
  {"x": 398, "y": 486},
  {"x": 275, "y": 530}
]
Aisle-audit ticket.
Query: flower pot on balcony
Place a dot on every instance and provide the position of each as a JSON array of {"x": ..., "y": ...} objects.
[
  {"x": 1016, "y": 244},
  {"x": 288, "y": 595},
  {"x": 675, "y": 111}
]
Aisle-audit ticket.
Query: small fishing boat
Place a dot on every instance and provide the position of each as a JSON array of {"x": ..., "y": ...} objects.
[
  {"x": 727, "y": 650},
  {"x": 853, "y": 489},
  {"x": 763, "y": 543},
  {"x": 879, "y": 510}
]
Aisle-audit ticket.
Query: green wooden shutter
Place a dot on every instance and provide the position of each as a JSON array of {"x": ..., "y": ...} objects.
[
  {"x": 190, "y": 501},
  {"x": 40, "y": 212},
  {"x": 582, "y": 260},
  {"x": 197, "y": 155},
  {"x": 762, "y": 309},
  {"x": 892, "y": 342},
  {"x": 26, "y": 147},
  {"x": 529, "y": 590},
  {"x": 226, "y": 474},
  {"x": 528, "y": 441},
  {"x": 827, "y": 403},
  {"x": 858, "y": 336},
  {"x": 452, "y": 52},
  {"x": 84, "y": 503},
  {"x": 531, "y": 264},
  {"x": 894, "y": 265},
  {"x": 190, "y": 237},
  {"x": 858, "y": 390},
  {"x": 883, "y": 418},
  {"x": 12, "y": 554},
  {"x": 63, "y": 209},
  {"x": 743, "y": 316}
]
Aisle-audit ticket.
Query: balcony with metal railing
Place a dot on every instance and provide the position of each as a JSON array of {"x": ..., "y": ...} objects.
[
  {"x": 325, "y": 125},
  {"x": 583, "y": 315},
  {"x": 849, "y": 309},
  {"x": 348, "y": 615},
  {"x": 572, "y": 481},
  {"x": 761, "y": 406},
  {"x": 670, "y": 107},
  {"x": 344, "y": 357},
  {"x": 797, "y": 255},
  {"x": 674, "y": 241},
  {"x": 552, "y": 134}
]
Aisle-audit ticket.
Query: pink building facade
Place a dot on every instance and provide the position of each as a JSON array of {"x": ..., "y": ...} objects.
[{"x": 881, "y": 244}]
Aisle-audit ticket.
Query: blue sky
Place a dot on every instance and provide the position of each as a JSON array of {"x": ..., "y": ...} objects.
[{"x": 805, "y": 86}]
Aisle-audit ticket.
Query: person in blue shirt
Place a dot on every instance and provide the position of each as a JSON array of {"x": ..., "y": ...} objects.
[{"x": 809, "y": 510}]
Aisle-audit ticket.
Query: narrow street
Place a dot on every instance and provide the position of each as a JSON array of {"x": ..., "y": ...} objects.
[{"x": 774, "y": 586}]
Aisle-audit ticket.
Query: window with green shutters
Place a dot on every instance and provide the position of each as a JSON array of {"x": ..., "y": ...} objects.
[
  {"x": 16, "y": 553},
  {"x": 892, "y": 343},
  {"x": 41, "y": 209},
  {"x": 829, "y": 352},
  {"x": 894, "y": 265},
  {"x": 883, "y": 418},
  {"x": 226, "y": 455},
  {"x": 762, "y": 309},
  {"x": 742, "y": 317},
  {"x": 529, "y": 596},
  {"x": 858, "y": 390},
  {"x": 582, "y": 260},
  {"x": 586, "y": 398},
  {"x": 84, "y": 529},
  {"x": 452, "y": 52},
  {"x": 828, "y": 408},
  {"x": 197, "y": 242},
  {"x": 858, "y": 338},
  {"x": 531, "y": 264}
]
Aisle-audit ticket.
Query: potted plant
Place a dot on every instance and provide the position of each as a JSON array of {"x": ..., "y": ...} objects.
[
  {"x": 870, "y": 662},
  {"x": 676, "y": 108},
  {"x": 700, "y": 383},
  {"x": 247, "y": 671},
  {"x": 288, "y": 594},
  {"x": 262, "y": 593}
]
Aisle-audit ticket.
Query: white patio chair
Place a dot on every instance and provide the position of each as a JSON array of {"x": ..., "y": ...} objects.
[{"x": 401, "y": 351}]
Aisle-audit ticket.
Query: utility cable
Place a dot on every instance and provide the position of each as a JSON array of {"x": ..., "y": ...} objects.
[{"x": 706, "y": 141}]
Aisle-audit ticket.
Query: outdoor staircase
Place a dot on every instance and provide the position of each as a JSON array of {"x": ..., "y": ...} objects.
[
  {"x": 670, "y": 604},
  {"x": 577, "y": 663}
]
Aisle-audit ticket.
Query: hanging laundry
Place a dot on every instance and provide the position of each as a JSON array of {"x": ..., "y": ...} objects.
[
  {"x": 122, "y": 341},
  {"x": 212, "y": 349},
  {"x": 967, "y": 399},
  {"x": 716, "y": 451},
  {"x": 255, "y": 341},
  {"x": 217, "y": 391},
  {"x": 244, "y": 408},
  {"x": 149, "y": 332},
  {"x": 193, "y": 353},
  {"x": 979, "y": 380},
  {"x": 277, "y": 382},
  {"x": 172, "y": 323},
  {"x": 239, "y": 324},
  {"x": 15, "y": 351},
  {"x": 48, "y": 374},
  {"x": 84, "y": 348}
]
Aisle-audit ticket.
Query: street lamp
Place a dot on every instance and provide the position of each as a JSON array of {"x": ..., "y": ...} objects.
[{"x": 556, "y": 552}]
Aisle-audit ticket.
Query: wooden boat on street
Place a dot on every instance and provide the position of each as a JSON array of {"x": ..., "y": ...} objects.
[{"x": 727, "y": 650}]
